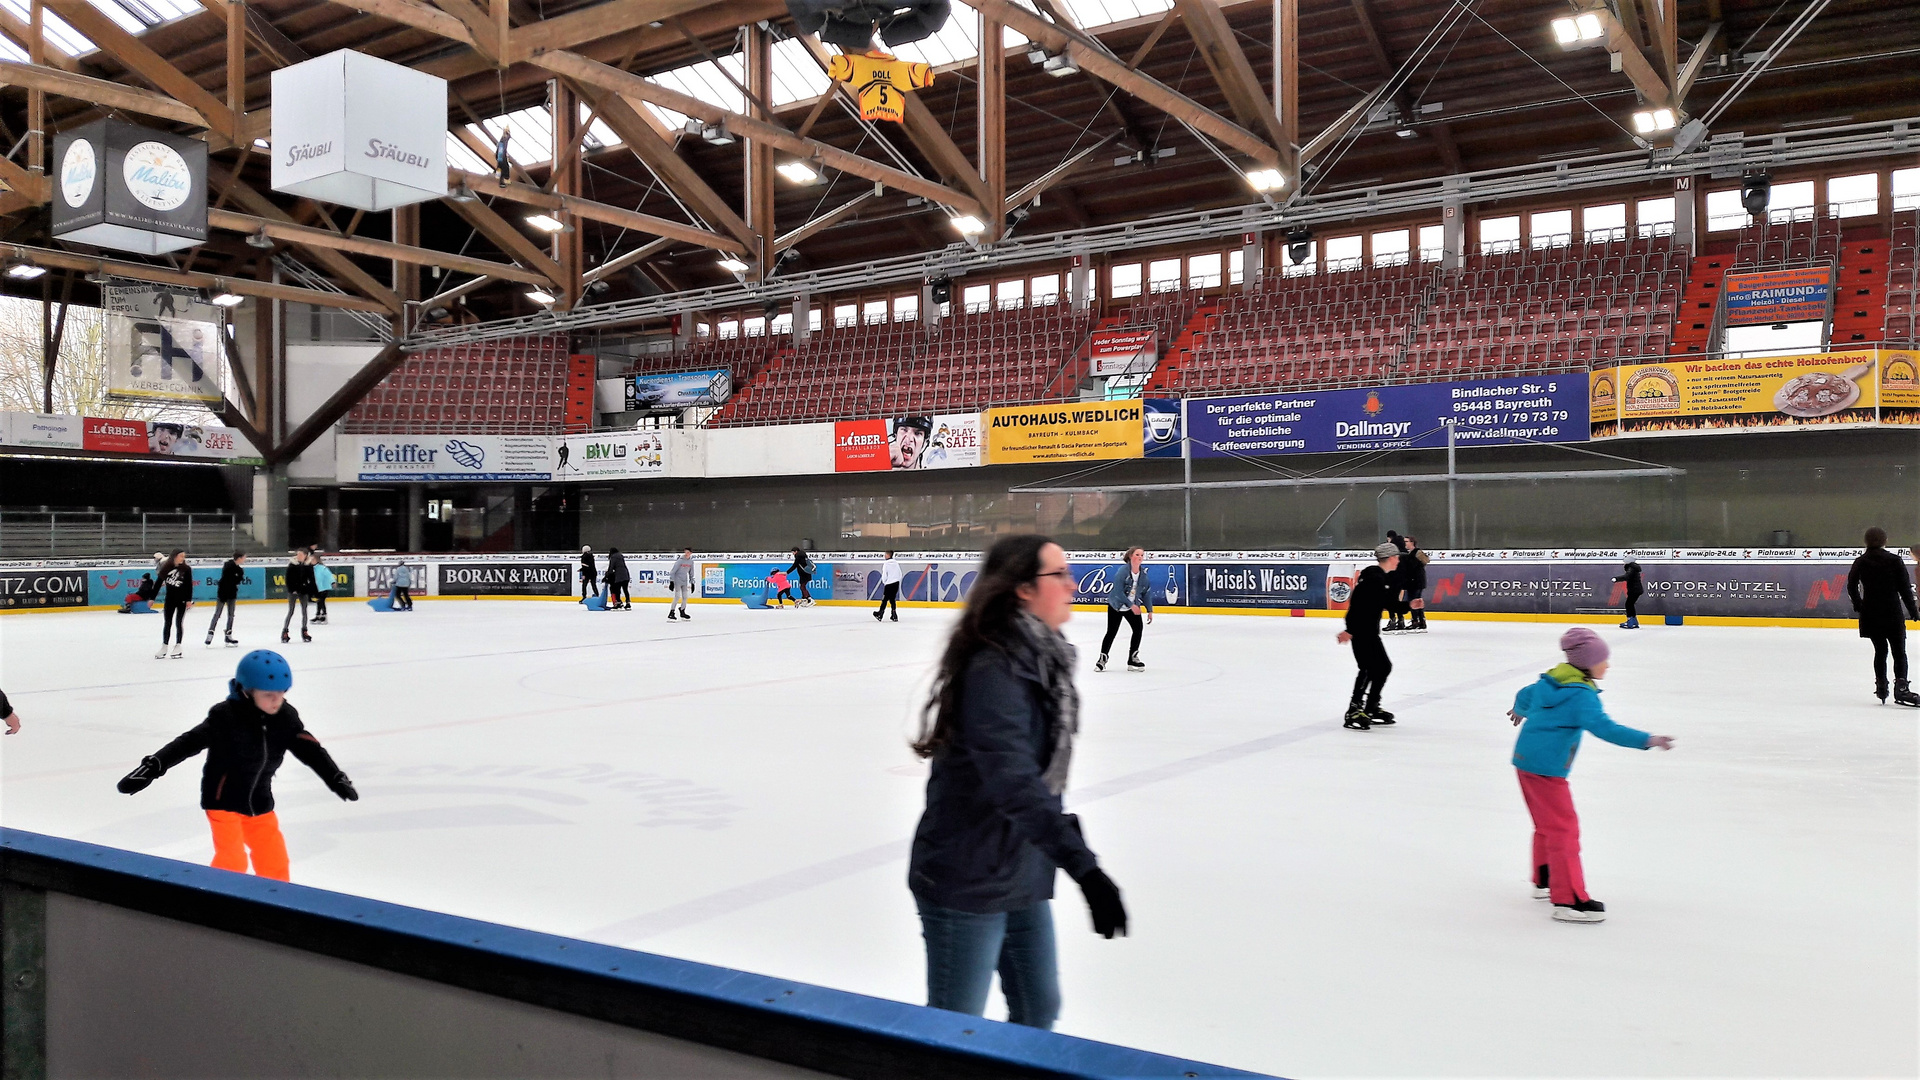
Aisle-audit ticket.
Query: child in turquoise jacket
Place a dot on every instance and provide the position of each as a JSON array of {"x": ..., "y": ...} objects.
[{"x": 1556, "y": 710}]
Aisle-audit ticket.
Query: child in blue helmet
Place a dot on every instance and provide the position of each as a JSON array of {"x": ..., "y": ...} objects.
[{"x": 246, "y": 737}]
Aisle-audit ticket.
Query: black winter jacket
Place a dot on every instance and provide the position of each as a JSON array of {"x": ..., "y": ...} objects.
[
  {"x": 589, "y": 570},
  {"x": 992, "y": 833},
  {"x": 1413, "y": 574},
  {"x": 1632, "y": 578},
  {"x": 177, "y": 583},
  {"x": 244, "y": 749},
  {"x": 300, "y": 580},
  {"x": 6, "y": 707},
  {"x": 1879, "y": 587},
  {"x": 232, "y": 574},
  {"x": 617, "y": 569},
  {"x": 1371, "y": 594}
]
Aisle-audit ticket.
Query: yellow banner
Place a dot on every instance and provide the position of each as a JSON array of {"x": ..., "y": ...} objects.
[
  {"x": 1899, "y": 387},
  {"x": 1069, "y": 431},
  {"x": 1684, "y": 394},
  {"x": 1603, "y": 401}
]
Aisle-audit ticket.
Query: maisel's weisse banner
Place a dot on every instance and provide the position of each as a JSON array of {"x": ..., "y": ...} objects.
[
  {"x": 506, "y": 579},
  {"x": 1070, "y": 431},
  {"x": 1778, "y": 296},
  {"x": 1497, "y": 412},
  {"x": 682, "y": 390},
  {"x": 1257, "y": 585},
  {"x": 1686, "y": 396}
]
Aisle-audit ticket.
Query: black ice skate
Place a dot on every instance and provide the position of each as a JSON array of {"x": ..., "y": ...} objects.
[
  {"x": 895, "y": 617},
  {"x": 1581, "y": 911},
  {"x": 876, "y": 616},
  {"x": 232, "y": 642},
  {"x": 1100, "y": 664},
  {"x": 304, "y": 636},
  {"x": 672, "y": 615},
  {"x": 209, "y": 639},
  {"x": 687, "y": 615},
  {"x": 1540, "y": 890},
  {"x": 1134, "y": 664},
  {"x": 1357, "y": 718},
  {"x": 285, "y": 637},
  {"x": 1904, "y": 695},
  {"x": 1420, "y": 621},
  {"x": 1880, "y": 691},
  {"x": 1378, "y": 715}
]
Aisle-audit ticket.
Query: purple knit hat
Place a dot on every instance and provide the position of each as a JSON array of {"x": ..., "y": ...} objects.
[{"x": 1584, "y": 648}]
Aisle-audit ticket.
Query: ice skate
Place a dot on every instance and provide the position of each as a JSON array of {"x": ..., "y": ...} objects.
[
  {"x": 304, "y": 636},
  {"x": 285, "y": 637},
  {"x": 876, "y": 616},
  {"x": 1630, "y": 624},
  {"x": 894, "y": 618},
  {"x": 1880, "y": 691},
  {"x": 178, "y": 652},
  {"x": 1904, "y": 695},
  {"x": 232, "y": 642},
  {"x": 162, "y": 654},
  {"x": 1420, "y": 621},
  {"x": 1540, "y": 890},
  {"x": 319, "y": 619},
  {"x": 1134, "y": 664},
  {"x": 1357, "y": 718},
  {"x": 1581, "y": 911},
  {"x": 1378, "y": 715},
  {"x": 672, "y": 615},
  {"x": 209, "y": 639},
  {"x": 687, "y": 615},
  {"x": 1100, "y": 664}
]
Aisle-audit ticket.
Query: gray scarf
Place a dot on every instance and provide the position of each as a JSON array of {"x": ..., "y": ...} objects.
[{"x": 1052, "y": 657}]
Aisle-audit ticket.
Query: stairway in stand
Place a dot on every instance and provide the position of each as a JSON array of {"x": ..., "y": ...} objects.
[
  {"x": 1164, "y": 377},
  {"x": 1860, "y": 295},
  {"x": 1693, "y": 321}
]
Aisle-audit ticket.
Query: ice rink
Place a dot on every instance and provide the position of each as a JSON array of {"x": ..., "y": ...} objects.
[{"x": 1305, "y": 900}]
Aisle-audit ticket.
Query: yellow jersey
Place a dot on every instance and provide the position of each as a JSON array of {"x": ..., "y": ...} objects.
[{"x": 879, "y": 82}]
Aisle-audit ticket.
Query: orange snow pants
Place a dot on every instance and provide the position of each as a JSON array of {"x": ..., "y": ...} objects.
[{"x": 234, "y": 835}]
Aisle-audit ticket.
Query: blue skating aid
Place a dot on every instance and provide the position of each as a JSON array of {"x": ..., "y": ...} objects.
[
  {"x": 597, "y": 602},
  {"x": 139, "y": 607},
  {"x": 381, "y": 603},
  {"x": 755, "y": 599}
]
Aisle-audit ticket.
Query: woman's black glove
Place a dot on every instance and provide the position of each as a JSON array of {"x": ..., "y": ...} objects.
[
  {"x": 150, "y": 770},
  {"x": 343, "y": 787},
  {"x": 1103, "y": 900}
]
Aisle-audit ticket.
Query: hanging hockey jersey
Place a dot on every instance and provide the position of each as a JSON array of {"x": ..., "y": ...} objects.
[{"x": 880, "y": 82}]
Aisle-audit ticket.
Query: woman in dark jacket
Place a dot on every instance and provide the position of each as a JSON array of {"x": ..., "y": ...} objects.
[
  {"x": 1413, "y": 582},
  {"x": 999, "y": 727},
  {"x": 617, "y": 595},
  {"x": 803, "y": 566},
  {"x": 1630, "y": 574},
  {"x": 1879, "y": 587},
  {"x": 176, "y": 583}
]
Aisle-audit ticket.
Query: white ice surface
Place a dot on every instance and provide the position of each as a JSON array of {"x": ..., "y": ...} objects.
[{"x": 1305, "y": 900}]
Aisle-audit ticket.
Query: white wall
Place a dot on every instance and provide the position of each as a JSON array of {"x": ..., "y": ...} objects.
[
  {"x": 784, "y": 450},
  {"x": 314, "y": 372}
]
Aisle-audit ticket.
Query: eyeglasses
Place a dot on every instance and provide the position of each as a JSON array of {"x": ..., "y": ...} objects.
[{"x": 1055, "y": 573}]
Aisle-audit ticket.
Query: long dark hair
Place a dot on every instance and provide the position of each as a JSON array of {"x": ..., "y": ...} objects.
[{"x": 985, "y": 623}]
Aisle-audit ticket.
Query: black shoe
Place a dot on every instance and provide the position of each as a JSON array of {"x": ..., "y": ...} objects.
[
  {"x": 1134, "y": 664},
  {"x": 687, "y": 615},
  {"x": 1880, "y": 691},
  {"x": 895, "y": 618},
  {"x": 1100, "y": 664},
  {"x": 672, "y": 615},
  {"x": 876, "y": 616},
  {"x": 304, "y": 636},
  {"x": 1904, "y": 695},
  {"x": 1378, "y": 715},
  {"x": 1581, "y": 911},
  {"x": 285, "y": 637},
  {"x": 1357, "y": 719}
]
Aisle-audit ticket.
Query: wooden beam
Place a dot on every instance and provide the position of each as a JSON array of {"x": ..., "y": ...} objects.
[
  {"x": 480, "y": 25},
  {"x": 417, "y": 15},
  {"x": 659, "y": 156},
  {"x": 1355, "y": 115},
  {"x": 351, "y": 393},
  {"x": 98, "y": 91},
  {"x": 1231, "y": 71},
  {"x": 825, "y": 221},
  {"x": 29, "y": 185},
  {"x": 591, "y": 23},
  {"x": 1093, "y": 57},
  {"x": 237, "y": 58},
  {"x": 620, "y": 82},
  {"x": 379, "y": 249},
  {"x": 1695, "y": 61},
  {"x": 613, "y": 266},
  {"x": 1652, "y": 86},
  {"x": 67, "y": 260},
  {"x": 1109, "y": 102},
  {"x": 341, "y": 266},
  {"x": 1056, "y": 174},
  {"x": 263, "y": 36},
  {"x": 568, "y": 251},
  {"x": 144, "y": 62},
  {"x": 529, "y": 195},
  {"x": 16, "y": 29},
  {"x": 508, "y": 238},
  {"x": 1440, "y": 133},
  {"x": 990, "y": 138},
  {"x": 757, "y": 166},
  {"x": 1286, "y": 85}
]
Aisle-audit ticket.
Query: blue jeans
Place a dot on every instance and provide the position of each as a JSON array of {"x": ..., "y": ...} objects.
[{"x": 965, "y": 949}]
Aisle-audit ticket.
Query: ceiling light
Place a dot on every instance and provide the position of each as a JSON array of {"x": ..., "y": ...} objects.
[
  {"x": 540, "y": 296},
  {"x": 732, "y": 265},
  {"x": 462, "y": 193},
  {"x": 797, "y": 171},
  {"x": 262, "y": 144},
  {"x": 1266, "y": 179},
  {"x": 1579, "y": 29},
  {"x": 1651, "y": 120},
  {"x": 968, "y": 225},
  {"x": 716, "y": 133},
  {"x": 24, "y": 271},
  {"x": 1565, "y": 32},
  {"x": 1590, "y": 27},
  {"x": 259, "y": 239},
  {"x": 224, "y": 298},
  {"x": 546, "y": 223},
  {"x": 1060, "y": 66}
]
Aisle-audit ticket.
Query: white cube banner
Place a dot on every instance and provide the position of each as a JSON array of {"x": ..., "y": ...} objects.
[{"x": 359, "y": 131}]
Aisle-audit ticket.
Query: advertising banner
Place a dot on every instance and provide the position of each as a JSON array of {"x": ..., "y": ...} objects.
[
  {"x": 1685, "y": 397},
  {"x": 1603, "y": 402},
  {"x": 42, "y": 429},
  {"x": 369, "y": 458},
  {"x": 1754, "y": 589},
  {"x": 1899, "y": 387},
  {"x": 1071, "y": 431},
  {"x": 123, "y": 436},
  {"x": 163, "y": 344},
  {"x": 1162, "y": 433},
  {"x": 1166, "y": 582},
  {"x": 860, "y": 446},
  {"x": 1778, "y": 296},
  {"x": 506, "y": 579},
  {"x": 613, "y": 456},
  {"x": 1124, "y": 349},
  {"x": 379, "y": 577},
  {"x": 948, "y": 582},
  {"x": 358, "y": 130},
  {"x": 1258, "y": 585},
  {"x": 276, "y": 581},
  {"x": 1494, "y": 412},
  {"x": 129, "y": 187},
  {"x": 942, "y": 441},
  {"x": 680, "y": 390},
  {"x": 736, "y": 579},
  {"x": 43, "y": 588}
]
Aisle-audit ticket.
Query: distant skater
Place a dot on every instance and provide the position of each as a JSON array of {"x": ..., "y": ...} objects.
[
  {"x": 176, "y": 586},
  {"x": 1882, "y": 592},
  {"x": 778, "y": 581},
  {"x": 1555, "y": 710},
  {"x": 589, "y": 574},
  {"x": 617, "y": 579},
  {"x": 1370, "y": 596},
  {"x": 680, "y": 580},
  {"x": 803, "y": 566},
  {"x": 233, "y": 573},
  {"x": 8, "y": 716},
  {"x": 1631, "y": 575},
  {"x": 1397, "y": 607},
  {"x": 1126, "y": 599},
  {"x": 299, "y": 593},
  {"x": 402, "y": 596},
  {"x": 890, "y": 575},
  {"x": 1413, "y": 584},
  {"x": 322, "y": 585}
]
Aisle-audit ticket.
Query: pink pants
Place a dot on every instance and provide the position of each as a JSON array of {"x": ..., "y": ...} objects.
[{"x": 1556, "y": 835}]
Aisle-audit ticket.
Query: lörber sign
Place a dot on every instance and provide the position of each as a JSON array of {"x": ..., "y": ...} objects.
[{"x": 506, "y": 579}]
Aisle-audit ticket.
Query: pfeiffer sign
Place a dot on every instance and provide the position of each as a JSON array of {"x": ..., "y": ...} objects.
[
  {"x": 359, "y": 131},
  {"x": 119, "y": 185}
]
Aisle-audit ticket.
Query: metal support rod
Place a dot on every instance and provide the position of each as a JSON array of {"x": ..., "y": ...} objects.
[
  {"x": 1186, "y": 465},
  {"x": 1359, "y": 479},
  {"x": 1453, "y": 492}
]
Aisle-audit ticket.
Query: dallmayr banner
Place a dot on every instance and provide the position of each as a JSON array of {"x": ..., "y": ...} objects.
[
  {"x": 1494, "y": 412},
  {"x": 1070, "y": 431},
  {"x": 1684, "y": 396},
  {"x": 506, "y": 579},
  {"x": 1777, "y": 296}
]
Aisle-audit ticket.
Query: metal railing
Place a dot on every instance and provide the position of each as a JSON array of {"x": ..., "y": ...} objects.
[{"x": 42, "y": 534}]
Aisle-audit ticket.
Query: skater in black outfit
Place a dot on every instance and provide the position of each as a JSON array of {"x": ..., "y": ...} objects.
[
  {"x": 617, "y": 579},
  {"x": 1396, "y": 586},
  {"x": 803, "y": 565},
  {"x": 1634, "y": 592},
  {"x": 589, "y": 573},
  {"x": 1370, "y": 596},
  {"x": 1413, "y": 582},
  {"x": 176, "y": 582},
  {"x": 300, "y": 593},
  {"x": 1879, "y": 587},
  {"x": 227, "y": 594}
]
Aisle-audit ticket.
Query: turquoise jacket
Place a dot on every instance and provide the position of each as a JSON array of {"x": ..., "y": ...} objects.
[{"x": 1557, "y": 708}]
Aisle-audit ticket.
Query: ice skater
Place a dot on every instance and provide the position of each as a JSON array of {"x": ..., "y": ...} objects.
[
  {"x": 617, "y": 579},
  {"x": 1397, "y": 607},
  {"x": 1880, "y": 588},
  {"x": 803, "y": 567},
  {"x": 1126, "y": 599},
  {"x": 226, "y": 595},
  {"x": 680, "y": 581},
  {"x": 246, "y": 737},
  {"x": 1631, "y": 575},
  {"x": 1555, "y": 710},
  {"x": 1413, "y": 585},
  {"x": 322, "y": 584},
  {"x": 589, "y": 574},
  {"x": 778, "y": 585},
  {"x": 176, "y": 582},
  {"x": 890, "y": 575},
  {"x": 999, "y": 727},
  {"x": 402, "y": 597},
  {"x": 299, "y": 581},
  {"x": 1369, "y": 598}
]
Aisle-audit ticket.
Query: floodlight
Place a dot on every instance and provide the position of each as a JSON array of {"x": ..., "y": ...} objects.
[
  {"x": 1266, "y": 179},
  {"x": 968, "y": 225},
  {"x": 732, "y": 265},
  {"x": 797, "y": 171}
]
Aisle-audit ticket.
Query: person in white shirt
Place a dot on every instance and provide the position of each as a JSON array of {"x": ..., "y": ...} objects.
[{"x": 890, "y": 576}]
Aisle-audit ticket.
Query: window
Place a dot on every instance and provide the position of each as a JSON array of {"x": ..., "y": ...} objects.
[
  {"x": 1906, "y": 189},
  {"x": 1854, "y": 196},
  {"x": 1791, "y": 202},
  {"x": 1344, "y": 253},
  {"x": 1724, "y": 210},
  {"x": 1656, "y": 217},
  {"x": 1499, "y": 234},
  {"x": 1601, "y": 223},
  {"x": 873, "y": 312},
  {"x": 1124, "y": 280},
  {"x": 1305, "y": 266},
  {"x": 1203, "y": 271},
  {"x": 755, "y": 327},
  {"x": 1008, "y": 295},
  {"x": 906, "y": 308},
  {"x": 729, "y": 328},
  {"x": 1236, "y": 266},
  {"x": 1045, "y": 289},
  {"x": 1549, "y": 229},
  {"x": 1433, "y": 242},
  {"x": 1391, "y": 248},
  {"x": 845, "y": 315},
  {"x": 782, "y": 323},
  {"x": 977, "y": 298},
  {"x": 813, "y": 319},
  {"x": 703, "y": 329},
  {"x": 1163, "y": 275}
]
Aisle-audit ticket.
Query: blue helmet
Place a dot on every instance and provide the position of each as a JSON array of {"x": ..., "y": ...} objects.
[{"x": 264, "y": 669}]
